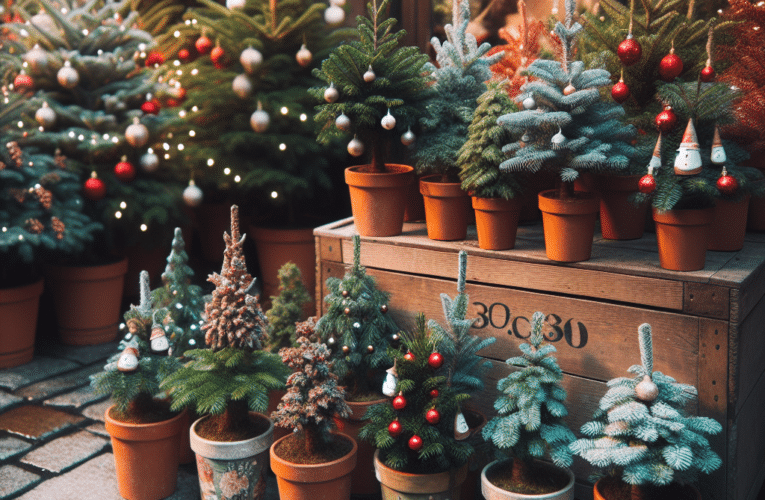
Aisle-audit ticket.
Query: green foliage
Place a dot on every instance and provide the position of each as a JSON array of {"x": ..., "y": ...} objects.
[
  {"x": 287, "y": 307},
  {"x": 440, "y": 449},
  {"x": 531, "y": 406},
  {"x": 645, "y": 438}
]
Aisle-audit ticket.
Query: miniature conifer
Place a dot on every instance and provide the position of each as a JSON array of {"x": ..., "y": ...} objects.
[{"x": 287, "y": 307}]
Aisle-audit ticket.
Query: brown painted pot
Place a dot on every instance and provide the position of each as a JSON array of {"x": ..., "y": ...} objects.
[
  {"x": 728, "y": 229},
  {"x": 397, "y": 485},
  {"x": 599, "y": 492},
  {"x": 682, "y": 237},
  {"x": 378, "y": 200},
  {"x": 496, "y": 222},
  {"x": 327, "y": 481},
  {"x": 364, "y": 481},
  {"x": 18, "y": 323},
  {"x": 620, "y": 219},
  {"x": 146, "y": 456},
  {"x": 88, "y": 300},
  {"x": 446, "y": 208},
  {"x": 493, "y": 492},
  {"x": 569, "y": 225}
]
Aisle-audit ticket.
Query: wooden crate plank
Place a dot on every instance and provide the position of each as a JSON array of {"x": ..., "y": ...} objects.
[
  {"x": 747, "y": 366},
  {"x": 326, "y": 270},
  {"x": 748, "y": 445},
  {"x": 330, "y": 249},
  {"x": 711, "y": 301},
  {"x": 749, "y": 271}
]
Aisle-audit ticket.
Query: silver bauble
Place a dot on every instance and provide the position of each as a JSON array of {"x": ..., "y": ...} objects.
[
  {"x": 137, "y": 135},
  {"x": 356, "y": 147},
  {"x": 259, "y": 121},
  {"x": 343, "y": 122},
  {"x": 334, "y": 15},
  {"x": 647, "y": 390},
  {"x": 331, "y": 94},
  {"x": 407, "y": 138},
  {"x": 304, "y": 56},
  {"x": 250, "y": 59},
  {"x": 45, "y": 116},
  {"x": 369, "y": 76},
  {"x": 236, "y": 4},
  {"x": 388, "y": 121},
  {"x": 36, "y": 58},
  {"x": 67, "y": 76},
  {"x": 45, "y": 23},
  {"x": 529, "y": 103},
  {"x": 192, "y": 195},
  {"x": 242, "y": 86},
  {"x": 149, "y": 162}
]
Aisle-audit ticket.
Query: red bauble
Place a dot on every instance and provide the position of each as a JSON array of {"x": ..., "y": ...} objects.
[
  {"x": 395, "y": 428},
  {"x": 432, "y": 416},
  {"x": 727, "y": 184},
  {"x": 23, "y": 82},
  {"x": 154, "y": 58},
  {"x": 434, "y": 393},
  {"x": 203, "y": 44},
  {"x": 436, "y": 360},
  {"x": 399, "y": 402},
  {"x": 415, "y": 443},
  {"x": 150, "y": 107},
  {"x": 184, "y": 55},
  {"x": 707, "y": 74},
  {"x": 620, "y": 92},
  {"x": 647, "y": 184},
  {"x": 218, "y": 57},
  {"x": 124, "y": 171},
  {"x": 94, "y": 189},
  {"x": 409, "y": 356},
  {"x": 670, "y": 67},
  {"x": 666, "y": 120},
  {"x": 629, "y": 51}
]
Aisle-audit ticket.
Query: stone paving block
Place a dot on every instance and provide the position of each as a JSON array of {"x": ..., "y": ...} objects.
[
  {"x": 65, "y": 452},
  {"x": 38, "y": 369},
  {"x": 83, "y": 354},
  {"x": 97, "y": 411},
  {"x": 15, "y": 479},
  {"x": 96, "y": 479},
  {"x": 47, "y": 388},
  {"x": 98, "y": 429},
  {"x": 187, "y": 487},
  {"x": 36, "y": 422},
  {"x": 76, "y": 399},
  {"x": 11, "y": 446},
  {"x": 8, "y": 400}
]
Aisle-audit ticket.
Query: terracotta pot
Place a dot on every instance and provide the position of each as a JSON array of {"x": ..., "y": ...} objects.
[
  {"x": 756, "y": 218},
  {"x": 598, "y": 493},
  {"x": 275, "y": 248},
  {"x": 496, "y": 222},
  {"x": 330, "y": 481},
  {"x": 619, "y": 218},
  {"x": 18, "y": 317},
  {"x": 146, "y": 456},
  {"x": 569, "y": 225},
  {"x": 682, "y": 237},
  {"x": 378, "y": 200},
  {"x": 88, "y": 301},
  {"x": 396, "y": 485},
  {"x": 586, "y": 183},
  {"x": 446, "y": 208},
  {"x": 492, "y": 492},
  {"x": 233, "y": 468},
  {"x": 728, "y": 228},
  {"x": 364, "y": 481}
]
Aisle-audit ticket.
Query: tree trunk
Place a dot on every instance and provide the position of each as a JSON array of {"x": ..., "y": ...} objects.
[
  {"x": 637, "y": 493},
  {"x": 565, "y": 190},
  {"x": 520, "y": 473},
  {"x": 312, "y": 439}
]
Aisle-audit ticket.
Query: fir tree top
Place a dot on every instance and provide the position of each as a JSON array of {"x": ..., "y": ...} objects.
[{"x": 287, "y": 307}]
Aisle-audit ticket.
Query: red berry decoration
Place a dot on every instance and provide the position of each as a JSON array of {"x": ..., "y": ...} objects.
[
  {"x": 395, "y": 428},
  {"x": 94, "y": 188},
  {"x": 409, "y": 356},
  {"x": 399, "y": 402},
  {"x": 432, "y": 416},
  {"x": 184, "y": 55},
  {"x": 707, "y": 74},
  {"x": 620, "y": 92},
  {"x": 124, "y": 171},
  {"x": 666, "y": 120},
  {"x": 154, "y": 58},
  {"x": 670, "y": 66},
  {"x": 436, "y": 360},
  {"x": 218, "y": 57},
  {"x": 150, "y": 107},
  {"x": 23, "y": 82},
  {"x": 415, "y": 443},
  {"x": 203, "y": 44},
  {"x": 647, "y": 184},
  {"x": 629, "y": 51},
  {"x": 434, "y": 393},
  {"x": 727, "y": 184}
]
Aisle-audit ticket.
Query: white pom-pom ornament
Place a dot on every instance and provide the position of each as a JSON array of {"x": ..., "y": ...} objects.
[
  {"x": 192, "y": 195},
  {"x": 370, "y": 75},
  {"x": 149, "y": 162},
  {"x": 331, "y": 94},
  {"x": 45, "y": 116},
  {"x": 356, "y": 147},
  {"x": 334, "y": 15},
  {"x": 242, "y": 86},
  {"x": 388, "y": 121},
  {"x": 304, "y": 56},
  {"x": 529, "y": 103},
  {"x": 250, "y": 59},
  {"x": 259, "y": 120},
  {"x": 343, "y": 122},
  {"x": 137, "y": 134},
  {"x": 407, "y": 138},
  {"x": 236, "y": 4},
  {"x": 67, "y": 76}
]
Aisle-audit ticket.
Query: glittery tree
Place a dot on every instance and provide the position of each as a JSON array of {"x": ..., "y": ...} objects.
[{"x": 287, "y": 307}]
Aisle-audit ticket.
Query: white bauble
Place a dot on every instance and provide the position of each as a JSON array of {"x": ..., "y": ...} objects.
[
  {"x": 369, "y": 76},
  {"x": 558, "y": 138},
  {"x": 242, "y": 86},
  {"x": 67, "y": 76},
  {"x": 343, "y": 122},
  {"x": 356, "y": 147},
  {"x": 259, "y": 121},
  {"x": 304, "y": 56},
  {"x": 236, "y": 4},
  {"x": 137, "y": 134},
  {"x": 192, "y": 195},
  {"x": 149, "y": 162},
  {"x": 36, "y": 58},
  {"x": 529, "y": 103},
  {"x": 646, "y": 389},
  {"x": 45, "y": 23},
  {"x": 45, "y": 116},
  {"x": 250, "y": 59},
  {"x": 388, "y": 121},
  {"x": 331, "y": 94},
  {"x": 339, "y": 3},
  {"x": 334, "y": 15},
  {"x": 569, "y": 89},
  {"x": 407, "y": 138}
]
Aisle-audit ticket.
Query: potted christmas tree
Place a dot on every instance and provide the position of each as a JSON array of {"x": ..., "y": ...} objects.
[
  {"x": 567, "y": 127},
  {"x": 312, "y": 462},
  {"x": 642, "y": 437},
  {"x": 145, "y": 431},
  {"x": 373, "y": 91},
  {"x": 287, "y": 308},
  {"x": 229, "y": 381},
  {"x": 530, "y": 425},
  {"x": 459, "y": 79}
]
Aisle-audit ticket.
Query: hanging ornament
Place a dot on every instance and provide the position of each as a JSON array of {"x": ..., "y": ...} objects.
[
  {"x": 67, "y": 76},
  {"x": 395, "y": 428},
  {"x": 436, "y": 360},
  {"x": 331, "y": 94},
  {"x": 355, "y": 147},
  {"x": 218, "y": 57},
  {"x": 36, "y": 58},
  {"x": 242, "y": 86},
  {"x": 395, "y": 339},
  {"x": 154, "y": 59},
  {"x": 647, "y": 183},
  {"x": 558, "y": 139},
  {"x": 399, "y": 402},
  {"x": 158, "y": 340},
  {"x": 128, "y": 360},
  {"x": 620, "y": 92},
  {"x": 629, "y": 51},
  {"x": 655, "y": 162},
  {"x": 94, "y": 188},
  {"x": 334, "y": 15},
  {"x": 461, "y": 429},
  {"x": 345, "y": 293},
  {"x": 343, "y": 123},
  {"x": 525, "y": 138},
  {"x": 184, "y": 55},
  {"x": 727, "y": 184},
  {"x": 646, "y": 389},
  {"x": 529, "y": 103},
  {"x": 407, "y": 138},
  {"x": 236, "y": 4},
  {"x": 688, "y": 159},
  {"x": 433, "y": 416},
  {"x": 149, "y": 162},
  {"x": 369, "y": 75},
  {"x": 415, "y": 443},
  {"x": 666, "y": 120},
  {"x": 370, "y": 348},
  {"x": 23, "y": 82},
  {"x": 259, "y": 120},
  {"x": 203, "y": 44},
  {"x": 718, "y": 152},
  {"x": 331, "y": 341},
  {"x": 409, "y": 356},
  {"x": 45, "y": 116},
  {"x": 569, "y": 89},
  {"x": 304, "y": 56},
  {"x": 670, "y": 66},
  {"x": 346, "y": 350},
  {"x": 384, "y": 308},
  {"x": 708, "y": 73},
  {"x": 192, "y": 195},
  {"x": 434, "y": 393},
  {"x": 388, "y": 121},
  {"x": 250, "y": 59},
  {"x": 150, "y": 106},
  {"x": 391, "y": 379},
  {"x": 124, "y": 170},
  {"x": 137, "y": 134},
  {"x": 45, "y": 23}
]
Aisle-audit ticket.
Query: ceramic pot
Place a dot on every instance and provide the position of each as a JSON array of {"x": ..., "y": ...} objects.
[
  {"x": 396, "y": 485},
  {"x": 446, "y": 208},
  {"x": 728, "y": 228},
  {"x": 364, "y": 481},
  {"x": 599, "y": 493},
  {"x": 620, "y": 219},
  {"x": 146, "y": 456},
  {"x": 88, "y": 301},
  {"x": 378, "y": 200},
  {"x": 569, "y": 225},
  {"x": 330, "y": 480},
  {"x": 496, "y": 222},
  {"x": 682, "y": 237},
  {"x": 18, "y": 317},
  {"x": 492, "y": 492},
  {"x": 233, "y": 468}
]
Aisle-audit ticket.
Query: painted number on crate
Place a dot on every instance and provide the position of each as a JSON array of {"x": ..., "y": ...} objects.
[{"x": 498, "y": 315}]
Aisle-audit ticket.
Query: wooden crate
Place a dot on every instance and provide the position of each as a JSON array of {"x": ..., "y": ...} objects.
[{"x": 708, "y": 324}]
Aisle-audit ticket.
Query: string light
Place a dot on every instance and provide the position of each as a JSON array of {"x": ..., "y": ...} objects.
[
  {"x": 182, "y": 113},
  {"x": 193, "y": 21},
  {"x": 188, "y": 22},
  {"x": 227, "y": 171},
  {"x": 176, "y": 63},
  {"x": 194, "y": 109},
  {"x": 21, "y": 237},
  {"x": 21, "y": 124},
  {"x": 210, "y": 162},
  {"x": 142, "y": 54},
  {"x": 237, "y": 179},
  {"x": 192, "y": 133},
  {"x": 106, "y": 137},
  {"x": 177, "y": 34},
  {"x": 144, "y": 227},
  {"x": 118, "y": 214},
  {"x": 274, "y": 194},
  {"x": 5, "y": 229},
  {"x": 167, "y": 156},
  {"x": 180, "y": 147},
  {"x": 303, "y": 117},
  {"x": 115, "y": 139},
  {"x": 81, "y": 137},
  {"x": 71, "y": 134},
  {"x": 194, "y": 71},
  {"x": 141, "y": 46},
  {"x": 179, "y": 72},
  {"x": 284, "y": 110},
  {"x": 40, "y": 128},
  {"x": 166, "y": 146},
  {"x": 150, "y": 150},
  {"x": 282, "y": 147},
  {"x": 123, "y": 205},
  {"x": 85, "y": 32},
  {"x": 24, "y": 32}
]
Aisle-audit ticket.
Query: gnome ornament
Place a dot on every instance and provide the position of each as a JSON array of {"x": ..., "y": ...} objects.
[
  {"x": 128, "y": 360},
  {"x": 391, "y": 379},
  {"x": 461, "y": 429},
  {"x": 647, "y": 183},
  {"x": 688, "y": 160},
  {"x": 718, "y": 152},
  {"x": 159, "y": 342}
]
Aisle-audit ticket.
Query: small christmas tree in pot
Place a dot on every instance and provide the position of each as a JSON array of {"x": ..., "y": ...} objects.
[
  {"x": 641, "y": 436},
  {"x": 373, "y": 91},
  {"x": 145, "y": 432},
  {"x": 287, "y": 308},
  {"x": 229, "y": 382},
  {"x": 530, "y": 424},
  {"x": 312, "y": 462}
]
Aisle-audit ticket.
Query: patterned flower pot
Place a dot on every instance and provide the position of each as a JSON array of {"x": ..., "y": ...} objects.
[
  {"x": 492, "y": 492},
  {"x": 728, "y": 229},
  {"x": 496, "y": 222},
  {"x": 569, "y": 225},
  {"x": 446, "y": 208},
  {"x": 378, "y": 200},
  {"x": 604, "y": 490},
  {"x": 397, "y": 485},
  {"x": 18, "y": 317},
  {"x": 682, "y": 237},
  {"x": 234, "y": 469}
]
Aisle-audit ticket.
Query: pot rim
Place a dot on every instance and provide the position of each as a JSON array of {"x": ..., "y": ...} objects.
[
  {"x": 485, "y": 483},
  {"x": 23, "y": 292},
  {"x": 231, "y": 450},
  {"x": 314, "y": 473},
  {"x": 431, "y": 483},
  {"x": 684, "y": 216},
  {"x": 127, "y": 431},
  {"x": 395, "y": 175},
  {"x": 583, "y": 204}
]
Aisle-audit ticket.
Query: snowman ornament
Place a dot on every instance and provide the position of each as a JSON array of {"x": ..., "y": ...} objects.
[
  {"x": 391, "y": 379},
  {"x": 159, "y": 342},
  {"x": 128, "y": 360}
]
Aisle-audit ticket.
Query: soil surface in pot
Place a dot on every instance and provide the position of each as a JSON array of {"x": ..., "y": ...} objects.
[
  {"x": 144, "y": 412},
  {"x": 541, "y": 478},
  {"x": 292, "y": 449},
  {"x": 223, "y": 429},
  {"x": 364, "y": 397},
  {"x": 613, "y": 488}
]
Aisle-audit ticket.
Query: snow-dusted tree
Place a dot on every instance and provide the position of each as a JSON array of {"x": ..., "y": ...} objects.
[{"x": 287, "y": 307}]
